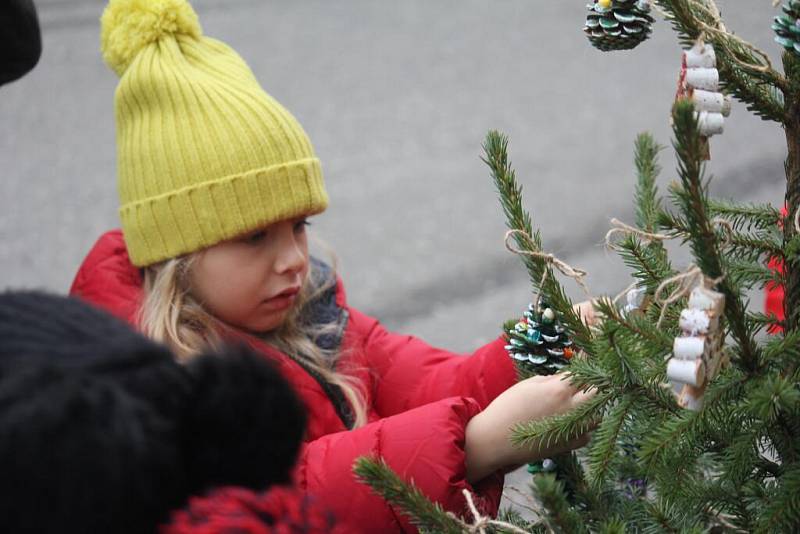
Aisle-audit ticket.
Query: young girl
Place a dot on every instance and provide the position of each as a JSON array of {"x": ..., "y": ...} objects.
[{"x": 217, "y": 181}]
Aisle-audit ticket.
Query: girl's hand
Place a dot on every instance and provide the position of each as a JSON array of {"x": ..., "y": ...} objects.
[
  {"x": 585, "y": 311},
  {"x": 488, "y": 435}
]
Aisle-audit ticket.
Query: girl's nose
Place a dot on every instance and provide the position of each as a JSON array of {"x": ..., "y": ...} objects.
[{"x": 292, "y": 255}]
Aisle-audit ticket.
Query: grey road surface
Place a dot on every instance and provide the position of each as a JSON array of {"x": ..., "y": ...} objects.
[{"x": 397, "y": 98}]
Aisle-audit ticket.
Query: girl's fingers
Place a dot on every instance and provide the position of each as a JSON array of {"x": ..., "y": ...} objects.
[{"x": 585, "y": 311}]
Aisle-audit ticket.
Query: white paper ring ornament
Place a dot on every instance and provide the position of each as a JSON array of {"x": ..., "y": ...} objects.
[{"x": 688, "y": 348}]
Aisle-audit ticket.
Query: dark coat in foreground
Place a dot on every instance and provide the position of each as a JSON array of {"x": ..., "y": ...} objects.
[{"x": 101, "y": 430}]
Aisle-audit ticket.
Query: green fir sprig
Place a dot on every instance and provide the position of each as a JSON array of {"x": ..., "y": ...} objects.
[
  {"x": 559, "y": 516},
  {"x": 648, "y": 203},
  {"x": 496, "y": 157},
  {"x": 425, "y": 514}
]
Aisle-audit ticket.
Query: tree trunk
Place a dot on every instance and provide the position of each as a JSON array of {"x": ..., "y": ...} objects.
[{"x": 791, "y": 301}]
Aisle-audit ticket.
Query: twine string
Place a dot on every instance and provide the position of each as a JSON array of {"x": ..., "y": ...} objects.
[
  {"x": 619, "y": 227},
  {"x": 481, "y": 522},
  {"x": 566, "y": 269},
  {"x": 537, "y": 296},
  {"x": 624, "y": 292},
  {"x": 718, "y": 28},
  {"x": 727, "y": 227},
  {"x": 686, "y": 282}
]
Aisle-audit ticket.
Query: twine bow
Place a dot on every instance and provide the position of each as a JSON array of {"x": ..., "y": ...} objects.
[
  {"x": 481, "y": 522},
  {"x": 565, "y": 268},
  {"x": 686, "y": 280}
]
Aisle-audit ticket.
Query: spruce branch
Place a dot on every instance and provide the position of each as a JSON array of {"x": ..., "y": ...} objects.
[
  {"x": 738, "y": 462},
  {"x": 513, "y": 517},
  {"x": 761, "y": 320},
  {"x": 496, "y": 157},
  {"x": 663, "y": 516},
  {"x": 660, "y": 343},
  {"x": 782, "y": 349},
  {"x": 560, "y": 516},
  {"x": 604, "y": 447},
  {"x": 563, "y": 427},
  {"x": 783, "y": 506},
  {"x": 649, "y": 263},
  {"x": 647, "y": 169},
  {"x": 745, "y": 216},
  {"x": 573, "y": 477},
  {"x": 623, "y": 364},
  {"x": 588, "y": 372},
  {"x": 750, "y": 274},
  {"x": 612, "y": 526},
  {"x": 760, "y": 244},
  {"x": 772, "y": 397},
  {"x": 683, "y": 431},
  {"x": 426, "y": 515},
  {"x": 687, "y": 487}
]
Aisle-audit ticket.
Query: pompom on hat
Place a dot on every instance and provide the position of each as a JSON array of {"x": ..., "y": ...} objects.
[{"x": 203, "y": 153}]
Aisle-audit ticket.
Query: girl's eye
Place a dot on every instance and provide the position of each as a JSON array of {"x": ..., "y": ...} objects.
[
  {"x": 255, "y": 238},
  {"x": 300, "y": 226}
]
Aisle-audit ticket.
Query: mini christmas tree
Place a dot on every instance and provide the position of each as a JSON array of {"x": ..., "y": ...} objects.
[
  {"x": 733, "y": 464},
  {"x": 539, "y": 342}
]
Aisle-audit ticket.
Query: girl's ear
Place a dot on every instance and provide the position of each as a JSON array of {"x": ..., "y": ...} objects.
[{"x": 244, "y": 422}]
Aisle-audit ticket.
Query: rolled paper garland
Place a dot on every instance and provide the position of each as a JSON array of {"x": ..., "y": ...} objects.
[
  {"x": 700, "y": 56},
  {"x": 689, "y": 347},
  {"x": 701, "y": 78},
  {"x": 687, "y": 371},
  {"x": 727, "y": 106},
  {"x": 710, "y": 123},
  {"x": 698, "y": 354},
  {"x": 694, "y": 321},
  {"x": 711, "y": 102},
  {"x": 702, "y": 298}
]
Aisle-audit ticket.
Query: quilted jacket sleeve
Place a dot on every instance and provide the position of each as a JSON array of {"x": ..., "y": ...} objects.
[
  {"x": 425, "y": 445},
  {"x": 108, "y": 279},
  {"x": 409, "y": 372}
]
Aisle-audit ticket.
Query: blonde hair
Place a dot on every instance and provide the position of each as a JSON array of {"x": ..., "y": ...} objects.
[{"x": 170, "y": 314}]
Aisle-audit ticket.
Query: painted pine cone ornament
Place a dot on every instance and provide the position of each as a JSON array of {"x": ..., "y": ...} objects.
[
  {"x": 618, "y": 24},
  {"x": 539, "y": 342},
  {"x": 787, "y": 26}
]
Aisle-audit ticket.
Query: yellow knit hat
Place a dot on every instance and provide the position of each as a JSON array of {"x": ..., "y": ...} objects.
[{"x": 203, "y": 153}]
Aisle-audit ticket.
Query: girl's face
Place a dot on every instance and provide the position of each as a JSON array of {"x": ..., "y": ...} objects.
[{"x": 252, "y": 282}]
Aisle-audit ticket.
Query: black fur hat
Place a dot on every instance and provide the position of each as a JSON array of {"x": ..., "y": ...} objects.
[
  {"x": 20, "y": 39},
  {"x": 101, "y": 430}
]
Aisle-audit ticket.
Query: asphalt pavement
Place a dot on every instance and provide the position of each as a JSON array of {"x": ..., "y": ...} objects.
[{"x": 397, "y": 98}]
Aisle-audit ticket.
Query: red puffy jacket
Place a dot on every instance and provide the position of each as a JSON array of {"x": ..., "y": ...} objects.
[
  {"x": 419, "y": 402},
  {"x": 774, "y": 292}
]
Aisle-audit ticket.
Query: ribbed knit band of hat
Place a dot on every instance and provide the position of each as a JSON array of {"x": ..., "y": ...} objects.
[{"x": 204, "y": 154}]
